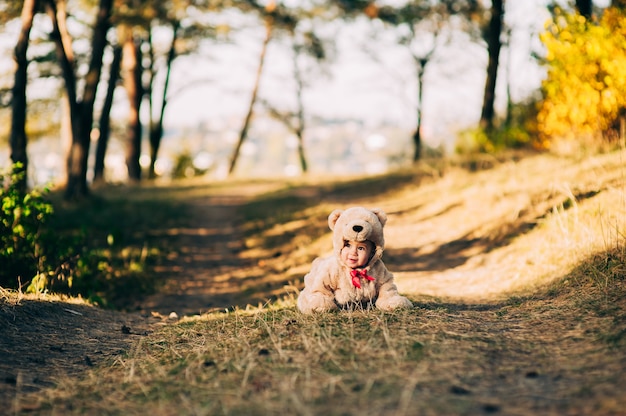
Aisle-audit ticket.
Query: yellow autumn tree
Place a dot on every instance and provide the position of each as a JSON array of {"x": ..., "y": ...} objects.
[{"x": 585, "y": 88}]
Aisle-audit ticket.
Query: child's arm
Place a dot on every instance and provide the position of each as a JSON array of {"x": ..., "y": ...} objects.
[
  {"x": 388, "y": 296},
  {"x": 317, "y": 295}
]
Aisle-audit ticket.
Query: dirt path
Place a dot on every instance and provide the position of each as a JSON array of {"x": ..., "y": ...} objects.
[
  {"x": 447, "y": 239},
  {"x": 207, "y": 252},
  {"x": 459, "y": 237},
  {"x": 45, "y": 338},
  {"x": 206, "y": 271}
]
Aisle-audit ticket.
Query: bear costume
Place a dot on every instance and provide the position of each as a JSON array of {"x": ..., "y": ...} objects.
[{"x": 331, "y": 284}]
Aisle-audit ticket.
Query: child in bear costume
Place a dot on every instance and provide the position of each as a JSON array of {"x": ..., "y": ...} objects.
[{"x": 355, "y": 274}]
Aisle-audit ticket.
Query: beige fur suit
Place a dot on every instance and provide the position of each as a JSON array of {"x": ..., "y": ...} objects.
[{"x": 330, "y": 282}]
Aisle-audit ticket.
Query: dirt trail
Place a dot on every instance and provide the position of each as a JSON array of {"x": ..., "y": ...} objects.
[
  {"x": 461, "y": 237},
  {"x": 208, "y": 250},
  {"x": 44, "y": 339},
  {"x": 450, "y": 238},
  {"x": 206, "y": 270}
]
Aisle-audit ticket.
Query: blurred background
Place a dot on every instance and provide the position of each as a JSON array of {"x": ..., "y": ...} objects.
[{"x": 117, "y": 91}]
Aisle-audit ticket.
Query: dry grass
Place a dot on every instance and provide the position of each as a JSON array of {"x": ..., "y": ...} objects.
[
  {"x": 518, "y": 275},
  {"x": 558, "y": 353}
]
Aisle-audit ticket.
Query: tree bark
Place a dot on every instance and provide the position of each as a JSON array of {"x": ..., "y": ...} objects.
[
  {"x": 18, "y": 137},
  {"x": 299, "y": 130},
  {"x": 81, "y": 112},
  {"x": 417, "y": 136},
  {"x": 156, "y": 128},
  {"x": 246, "y": 124},
  {"x": 494, "y": 45},
  {"x": 294, "y": 122},
  {"x": 620, "y": 4},
  {"x": 105, "y": 116},
  {"x": 584, "y": 7},
  {"x": 134, "y": 91},
  {"x": 66, "y": 61},
  {"x": 92, "y": 79}
]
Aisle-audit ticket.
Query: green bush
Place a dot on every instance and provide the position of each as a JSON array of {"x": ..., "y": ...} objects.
[
  {"x": 22, "y": 217},
  {"x": 517, "y": 131},
  {"x": 184, "y": 166},
  {"x": 67, "y": 251},
  {"x": 480, "y": 141}
]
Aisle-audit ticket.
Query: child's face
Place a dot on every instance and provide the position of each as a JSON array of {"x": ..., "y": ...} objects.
[{"x": 356, "y": 254}]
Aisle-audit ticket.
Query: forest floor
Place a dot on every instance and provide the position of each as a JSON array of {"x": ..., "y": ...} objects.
[{"x": 478, "y": 252}]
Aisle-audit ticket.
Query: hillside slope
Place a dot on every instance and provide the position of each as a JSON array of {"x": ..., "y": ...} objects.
[
  {"x": 507, "y": 231},
  {"x": 517, "y": 273},
  {"x": 459, "y": 235}
]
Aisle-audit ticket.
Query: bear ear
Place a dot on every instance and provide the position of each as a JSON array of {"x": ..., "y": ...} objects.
[
  {"x": 382, "y": 217},
  {"x": 333, "y": 217}
]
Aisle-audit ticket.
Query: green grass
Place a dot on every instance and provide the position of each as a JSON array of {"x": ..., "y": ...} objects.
[{"x": 112, "y": 243}]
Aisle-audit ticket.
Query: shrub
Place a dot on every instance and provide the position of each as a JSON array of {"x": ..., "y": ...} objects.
[
  {"x": 479, "y": 140},
  {"x": 22, "y": 216},
  {"x": 585, "y": 89}
]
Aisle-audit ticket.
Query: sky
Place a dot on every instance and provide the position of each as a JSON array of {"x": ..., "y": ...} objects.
[
  {"x": 372, "y": 78},
  {"x": 381, "y": 90}
]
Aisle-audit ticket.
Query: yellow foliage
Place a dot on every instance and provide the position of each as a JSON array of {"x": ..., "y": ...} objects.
[{"x": 585, "y": 90}]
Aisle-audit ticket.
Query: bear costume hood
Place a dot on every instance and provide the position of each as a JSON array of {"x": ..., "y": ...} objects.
[
  {"x": 358, "y": 224},
  {"x": 330, "y": 284}
]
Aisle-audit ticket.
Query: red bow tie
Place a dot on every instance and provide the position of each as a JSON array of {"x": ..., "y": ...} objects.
[{"x": 357, "y": 275}]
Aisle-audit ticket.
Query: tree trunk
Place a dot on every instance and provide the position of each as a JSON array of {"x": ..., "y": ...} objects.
[
  {"x": 92, "y": 79},
  {"x": 493, "y": 48},
  {"x": 417, "y": 136},
  {"x": 18, "y": 137},
  {"x": 66, "y": 61},
  {"x": 81, "y": 113},
  {"x": 246, "y": 124},
  {"x": 620, "y": 4},
  {"x": 156, "y": 128},
  {"x": 105, "y": 116},
  {"x": 584, "y": 7},
  {"x": 132, "y": 84},
  {"x": 299, "y": 130}
]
